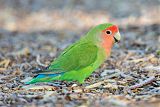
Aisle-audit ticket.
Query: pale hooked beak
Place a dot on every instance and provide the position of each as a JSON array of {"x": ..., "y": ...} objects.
[{"x": 117, "y": 37}]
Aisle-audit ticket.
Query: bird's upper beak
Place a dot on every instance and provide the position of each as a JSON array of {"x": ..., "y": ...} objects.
[{"x": 117, "y": 37}]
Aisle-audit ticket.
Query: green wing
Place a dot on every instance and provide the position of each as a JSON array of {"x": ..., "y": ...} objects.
[{"x": 75, "y": 57}]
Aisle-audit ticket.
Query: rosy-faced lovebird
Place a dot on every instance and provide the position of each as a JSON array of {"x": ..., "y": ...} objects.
[{"x": 80, "y": 59}]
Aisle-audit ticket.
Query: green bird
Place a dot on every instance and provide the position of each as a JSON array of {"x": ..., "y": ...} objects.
[{"x": 80, "y": 59}]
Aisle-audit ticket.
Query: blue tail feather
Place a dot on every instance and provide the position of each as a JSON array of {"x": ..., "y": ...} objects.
[{"x": 43, "y": 78}]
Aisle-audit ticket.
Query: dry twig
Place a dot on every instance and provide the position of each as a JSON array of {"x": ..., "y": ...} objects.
[
  {"x": 5, "y": 63},
  {"x": 29, "y": 66},
  {"x": 143, "y": 59},
  {"x": 96, "y": 84},
  {"x": 145, "y": 82},
  {"x": 154, "y": 68},
  {"x": 38, "y": 61}
]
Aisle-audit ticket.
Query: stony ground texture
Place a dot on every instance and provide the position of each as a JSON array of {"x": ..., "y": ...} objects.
[{"x": 34, "y": 32}]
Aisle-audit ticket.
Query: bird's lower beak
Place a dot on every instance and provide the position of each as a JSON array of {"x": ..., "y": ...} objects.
[{"x": 117, "y": 37}]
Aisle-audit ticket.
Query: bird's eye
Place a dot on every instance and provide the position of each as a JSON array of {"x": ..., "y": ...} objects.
[{"x": 108, "y": 32}]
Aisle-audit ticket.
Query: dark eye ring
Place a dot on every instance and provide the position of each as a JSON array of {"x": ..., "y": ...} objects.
[{"x": 108, "y": 32}]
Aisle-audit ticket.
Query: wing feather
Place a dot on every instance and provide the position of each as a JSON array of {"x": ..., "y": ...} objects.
[{"x": 75, "y": 57}]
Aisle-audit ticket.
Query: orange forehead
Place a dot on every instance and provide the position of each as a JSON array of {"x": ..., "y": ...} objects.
[{"x": 113, "y": 28}]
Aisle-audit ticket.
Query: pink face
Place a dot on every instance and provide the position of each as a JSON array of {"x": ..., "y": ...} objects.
[
  {"x": 108, "y": 37},
  {"x": 108, "y": 34}
]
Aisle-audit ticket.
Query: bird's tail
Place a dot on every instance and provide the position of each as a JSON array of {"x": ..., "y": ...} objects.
[{"x": 44, "y": 78}]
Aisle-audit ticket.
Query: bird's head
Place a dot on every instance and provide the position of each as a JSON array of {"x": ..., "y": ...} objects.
[
  {"x": 106, "y": 34},
  {"x": 109, "y": 33}
]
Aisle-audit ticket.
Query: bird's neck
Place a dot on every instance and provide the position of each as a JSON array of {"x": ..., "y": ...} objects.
[{"x": 107, "y": 45}]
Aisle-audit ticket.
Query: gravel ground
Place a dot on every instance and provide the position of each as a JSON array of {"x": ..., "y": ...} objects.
[{"x": 33, "y": 33}]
